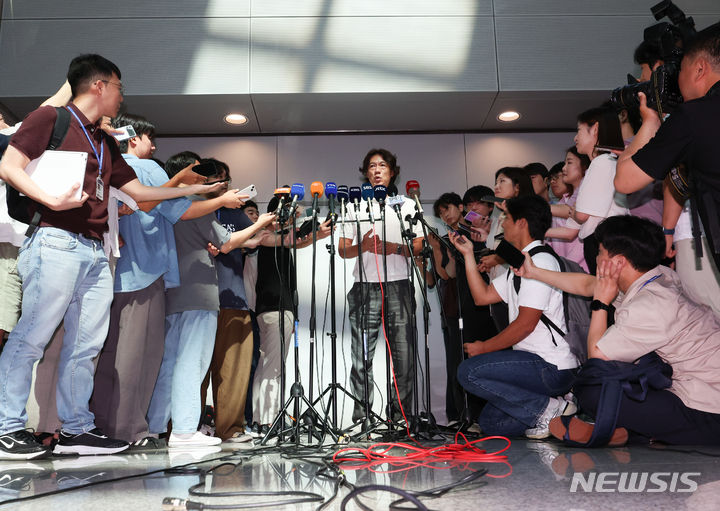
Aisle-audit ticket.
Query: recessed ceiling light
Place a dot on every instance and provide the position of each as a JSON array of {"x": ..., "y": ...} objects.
[
  {"x": 508, "y": 116},
  {"x": 235, "y": 119}
]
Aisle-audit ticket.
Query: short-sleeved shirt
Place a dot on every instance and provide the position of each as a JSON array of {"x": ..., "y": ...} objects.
[
  {"x": 397, "y": 265},
  {"x": 149, "y": 251},
  {"x": 655, "y": 315},
  {"x": 32, "y": 139},
  {"x": 691, "y": 135},
  {"x": 540, "y": 296},
  {"x": 597, "y": 196},
  {"x": 230, "y": 267},
  {"x": 198, "y": 288}
]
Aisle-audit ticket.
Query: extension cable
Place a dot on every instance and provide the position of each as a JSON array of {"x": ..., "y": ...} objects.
[{"x": 178, "y": 504}]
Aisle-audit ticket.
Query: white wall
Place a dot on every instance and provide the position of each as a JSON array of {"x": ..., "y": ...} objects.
[{"x": 440, "y": 162}]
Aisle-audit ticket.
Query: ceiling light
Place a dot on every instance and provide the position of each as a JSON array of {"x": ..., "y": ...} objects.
[
  {"x": 508, "y": 116},
  {"x": 235, "y": 119}
]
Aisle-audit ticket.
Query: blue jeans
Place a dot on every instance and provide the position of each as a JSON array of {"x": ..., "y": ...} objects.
[
  {"x": 517, "y": 386},
  {"x": 65, "y": 276},
  {"x": 189, "y": 343}
]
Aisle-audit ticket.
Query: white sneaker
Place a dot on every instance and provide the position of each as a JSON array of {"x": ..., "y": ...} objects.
[
  {"x": 197, "y": 439},
  {"x": 556, "y": 407},
  {"x": 239, "y": 437}
]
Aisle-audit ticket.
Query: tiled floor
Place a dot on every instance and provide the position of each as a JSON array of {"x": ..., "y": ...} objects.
[{"x": 537, "y": 475}]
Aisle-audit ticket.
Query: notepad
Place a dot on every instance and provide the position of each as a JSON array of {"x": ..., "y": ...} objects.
[{"x": 55, "y": 172}]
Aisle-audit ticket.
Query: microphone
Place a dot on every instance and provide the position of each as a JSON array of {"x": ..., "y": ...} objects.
[
  {"x": 343, "y": 193},
  {"x": 412, "y": 188},
  {"x": 380, "y": 193},
  {"x": 297, "y": 191},
  {"x": 331, "y": 192},
  {"x": 355, "y": 196},
  {"x": 282, "y": 195},
  {"x": 368, "y": 195},
  {"x": 316, "y": 190}
]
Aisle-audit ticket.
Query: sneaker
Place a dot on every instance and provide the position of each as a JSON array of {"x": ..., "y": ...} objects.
[
  {"x": 196, "y": 439},
  {"x": 90, "y": 442},
  {"x": 239, "y": 437},
  {"x": 557, "y": 407},
  {"x": 21, "y": 445},
  {"x": 17, "y": 476},
  {"x": 149, "y": 443}
]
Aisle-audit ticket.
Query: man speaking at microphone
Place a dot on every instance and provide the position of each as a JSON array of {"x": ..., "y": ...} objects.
[{"x": 380, "y": 169}]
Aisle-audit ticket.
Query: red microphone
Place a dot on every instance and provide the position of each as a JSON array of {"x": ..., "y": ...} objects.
[{"x": 412, "y": 188}]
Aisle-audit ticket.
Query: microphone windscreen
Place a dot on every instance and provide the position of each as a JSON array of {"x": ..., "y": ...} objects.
[
  {"x": 412, "y": 185},
  {"x": 316, "y": 188},
  {"x": 282, "y": 192},
  {"x": 299, "y": 190},
  {"x": 331, "y": 189},
  {"x": 380, "y": 192},
  {"x": 367, "y": 191},
  {"x": 343, "y": 193},
  {"x": 355, "y": 193}
]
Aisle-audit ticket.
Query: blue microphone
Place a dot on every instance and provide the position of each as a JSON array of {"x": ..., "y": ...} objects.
[
  {"x": 380, "y": 193},
  {"x": 368, "y": 195},
  {"x": 355, "y": 196},
  {"x": 331, "y": 189},
  {"x": 297, "y": 192}
]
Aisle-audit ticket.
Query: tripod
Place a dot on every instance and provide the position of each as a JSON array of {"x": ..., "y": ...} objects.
[{"x": 297, "y": 393}]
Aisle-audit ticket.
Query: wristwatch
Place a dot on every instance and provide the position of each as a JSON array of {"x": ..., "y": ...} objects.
[
  {"x": 399, "y": 249},
  {"x": 596, "y": 305}
]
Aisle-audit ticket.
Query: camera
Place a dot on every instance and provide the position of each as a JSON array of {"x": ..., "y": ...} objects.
[{"x": 662, "y": 90}]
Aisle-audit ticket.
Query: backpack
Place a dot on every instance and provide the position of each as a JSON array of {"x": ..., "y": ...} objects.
[
  {"x": 575, "y": 307},
  {"x": 616, "y": 379},
  {"x": 21, "y": 207}
]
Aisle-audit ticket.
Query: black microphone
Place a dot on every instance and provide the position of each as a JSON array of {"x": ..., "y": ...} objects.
[
  {"x": 380, "y": 192},
  {"x": 355, "y": 196}
]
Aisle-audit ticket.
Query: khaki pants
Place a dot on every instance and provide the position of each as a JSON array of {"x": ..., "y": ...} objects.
[{"x": 230, "y": 371}]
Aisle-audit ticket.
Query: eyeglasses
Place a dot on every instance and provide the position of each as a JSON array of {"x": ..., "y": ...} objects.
[{"x": 118, "y": 85}]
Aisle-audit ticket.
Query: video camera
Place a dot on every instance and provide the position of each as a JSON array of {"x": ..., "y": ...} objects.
[{"x": 662, "y": 90}]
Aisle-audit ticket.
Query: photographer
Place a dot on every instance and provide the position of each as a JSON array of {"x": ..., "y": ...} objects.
[{"x": 690, "y": 135}]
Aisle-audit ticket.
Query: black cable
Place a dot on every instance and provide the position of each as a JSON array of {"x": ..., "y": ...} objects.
[{"x": 378, "y": 487}]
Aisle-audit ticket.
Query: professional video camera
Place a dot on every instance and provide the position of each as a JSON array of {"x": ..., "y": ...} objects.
[{"x": 662, "y": 90}]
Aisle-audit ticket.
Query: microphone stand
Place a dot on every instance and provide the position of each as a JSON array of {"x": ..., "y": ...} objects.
[
  {"x": 296, "y": 390},
  {"x": 309, "y": 419},
  {"x": 427, "y": 416}
]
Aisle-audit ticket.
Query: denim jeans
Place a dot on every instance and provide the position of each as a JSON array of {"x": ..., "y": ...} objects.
[
  {"x": 189, "y": 342},
  {"x": 65, "y": 276},
  {"x": 400, "y": 303},
  {"x": 517, "y": 386}
]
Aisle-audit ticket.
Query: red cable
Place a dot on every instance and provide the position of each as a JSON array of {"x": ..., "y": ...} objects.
[{"x": 443, "y": 457}]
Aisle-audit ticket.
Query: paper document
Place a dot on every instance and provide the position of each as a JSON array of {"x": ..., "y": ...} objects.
[{"x": 55, "y": 172}]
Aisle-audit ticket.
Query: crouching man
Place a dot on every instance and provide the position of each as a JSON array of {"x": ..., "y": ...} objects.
[
  {"x": 524, "y": 386},
  {"x": 652, "y": 314}
]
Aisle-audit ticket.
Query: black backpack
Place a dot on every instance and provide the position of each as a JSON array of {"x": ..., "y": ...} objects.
[
  {"x": 21, "y": 207},
  {"x": 576, "y": 307}
]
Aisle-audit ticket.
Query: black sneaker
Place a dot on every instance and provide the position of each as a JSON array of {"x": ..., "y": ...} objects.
[
  {"x": 92, "y": 442},
  {"x": 148, "y": 444},
  {"x": 17, "y": 475},
  {"x": 21, "y": 445}
]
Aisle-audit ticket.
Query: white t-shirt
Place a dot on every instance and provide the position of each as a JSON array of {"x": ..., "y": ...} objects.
[
  {"x": 397, "y": 264},
  {"x": 597, "y": 196},
  {"x": 540, "y": 296}
]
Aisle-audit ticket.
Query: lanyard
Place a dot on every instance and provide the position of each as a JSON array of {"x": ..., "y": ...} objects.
[
  {"x": 649, "y": 280},
  {"x": 102, "y": 146}
]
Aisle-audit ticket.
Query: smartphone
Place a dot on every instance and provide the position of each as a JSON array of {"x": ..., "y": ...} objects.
[
  {"x": 464, "y": 229},
  {"x": 472, "y": 216},
  {"x": 250, "y": 191},
  {"x": 206, "y": 169},
  {"x": 305, "y": 228},
  {"x": 127, "y": 132},
  {"x": 491, "y": 198},
  {"x": 510, "y": 254}
]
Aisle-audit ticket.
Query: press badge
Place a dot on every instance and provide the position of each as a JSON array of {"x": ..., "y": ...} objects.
[{"x": 99, "y": 188}]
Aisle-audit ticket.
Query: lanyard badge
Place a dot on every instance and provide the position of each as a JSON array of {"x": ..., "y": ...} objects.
[{"x": 99, "y": 185}]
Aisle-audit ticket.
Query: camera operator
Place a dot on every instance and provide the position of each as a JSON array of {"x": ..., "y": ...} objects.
[{"x": 690, "y": 135}]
